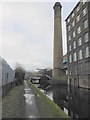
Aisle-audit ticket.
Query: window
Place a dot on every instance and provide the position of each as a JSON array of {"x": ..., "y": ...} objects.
[
  {"x": 79, "y": 41},
  {"x": 74, "y": 44},
  {"x": 84, "y": 1},
  {"x": 72, "y": 15},
  {"x": 78, "y": 8},
  {"x": 78, "y": 29},
  {"x": 73, "y": 33},
  {"x": 78, "y": 18},
  {"x": 68, "y": 20},
  {"x": 69, "y": 28},
  {"x": 69, "y": 37},
  {"x": 86, "y": 37},
  {"x": 84, "y": 11},
  {"x": 7, "y": 75},
  {"x": 80, "y": 55},
  {"x": 73, "y": 23},
  {"x": 70, "y": 58},
  {"x": 87, "y": 52},
  {"x": 70, "y": 74},
  {"x": 85, "y": 24},
  {"x": 69, "y": 47},
  {"x": 74, "y": 57}
]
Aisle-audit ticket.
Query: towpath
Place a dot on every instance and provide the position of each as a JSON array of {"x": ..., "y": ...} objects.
[
  {"x": 19, "y": 102},
  {"x": 29, "y": 102},
  {"x": 31, "y": 109}
]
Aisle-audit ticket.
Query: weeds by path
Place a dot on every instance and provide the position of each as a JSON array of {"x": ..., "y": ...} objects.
[{"x": 46, "y": 107}]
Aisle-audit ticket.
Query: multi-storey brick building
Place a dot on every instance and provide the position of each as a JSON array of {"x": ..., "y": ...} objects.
[{"x": 78, "y": 45}]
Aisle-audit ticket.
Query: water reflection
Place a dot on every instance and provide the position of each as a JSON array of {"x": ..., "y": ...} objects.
[
  {"x": 50, "y": 95},
  {"x": 73, "y": 101},
  {"x": 30, "y": 104}
]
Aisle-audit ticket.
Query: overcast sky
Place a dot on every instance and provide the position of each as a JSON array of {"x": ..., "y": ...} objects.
[{"x": 27, "y": 32}]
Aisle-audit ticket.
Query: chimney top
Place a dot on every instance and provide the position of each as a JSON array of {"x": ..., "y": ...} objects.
[{"x": 57, "y": 4}]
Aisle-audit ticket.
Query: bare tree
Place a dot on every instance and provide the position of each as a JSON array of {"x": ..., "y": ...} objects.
[{"x": 19, "y": 73}]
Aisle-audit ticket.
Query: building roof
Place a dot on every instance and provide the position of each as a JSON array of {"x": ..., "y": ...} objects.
[
  {"x": 76, "y": 7},
  {"x": 72, "y": 10},
  {"x": 4, "y": 62}
]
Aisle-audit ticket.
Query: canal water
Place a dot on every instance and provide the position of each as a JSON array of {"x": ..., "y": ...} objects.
[{"x": 73, "y": 101}]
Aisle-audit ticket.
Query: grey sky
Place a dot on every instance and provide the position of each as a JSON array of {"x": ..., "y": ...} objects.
[{"x": 27, "y": 32}]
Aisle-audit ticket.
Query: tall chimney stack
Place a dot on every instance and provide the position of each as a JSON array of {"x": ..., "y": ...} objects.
[{"x": 58, "y": 51}]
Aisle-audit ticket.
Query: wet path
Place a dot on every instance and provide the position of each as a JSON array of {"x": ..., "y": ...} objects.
[{"x": 31, "y": 109}]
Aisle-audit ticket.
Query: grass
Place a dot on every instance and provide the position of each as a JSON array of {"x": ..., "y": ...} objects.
[
  {"x": 46, "y": 107},
  {"x": 13, "y": 103}
]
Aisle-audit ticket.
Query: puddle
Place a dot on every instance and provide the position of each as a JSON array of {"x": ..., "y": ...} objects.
[
  {"x": 32, "y": 116},
  {"x": 29, "y": 98},
  {"x": 31, "y": 109}
]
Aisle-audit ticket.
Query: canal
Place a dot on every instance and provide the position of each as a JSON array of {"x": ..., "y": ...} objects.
[{"x": 73, "y": 101}]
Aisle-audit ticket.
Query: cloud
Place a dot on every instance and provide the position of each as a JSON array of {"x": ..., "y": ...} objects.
[
  {"x": 40, "y": 0},
  {"x": 27, "y": 34}
]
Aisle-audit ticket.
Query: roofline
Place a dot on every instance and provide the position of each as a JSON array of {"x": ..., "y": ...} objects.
[{"x": 72, "y": 10}]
